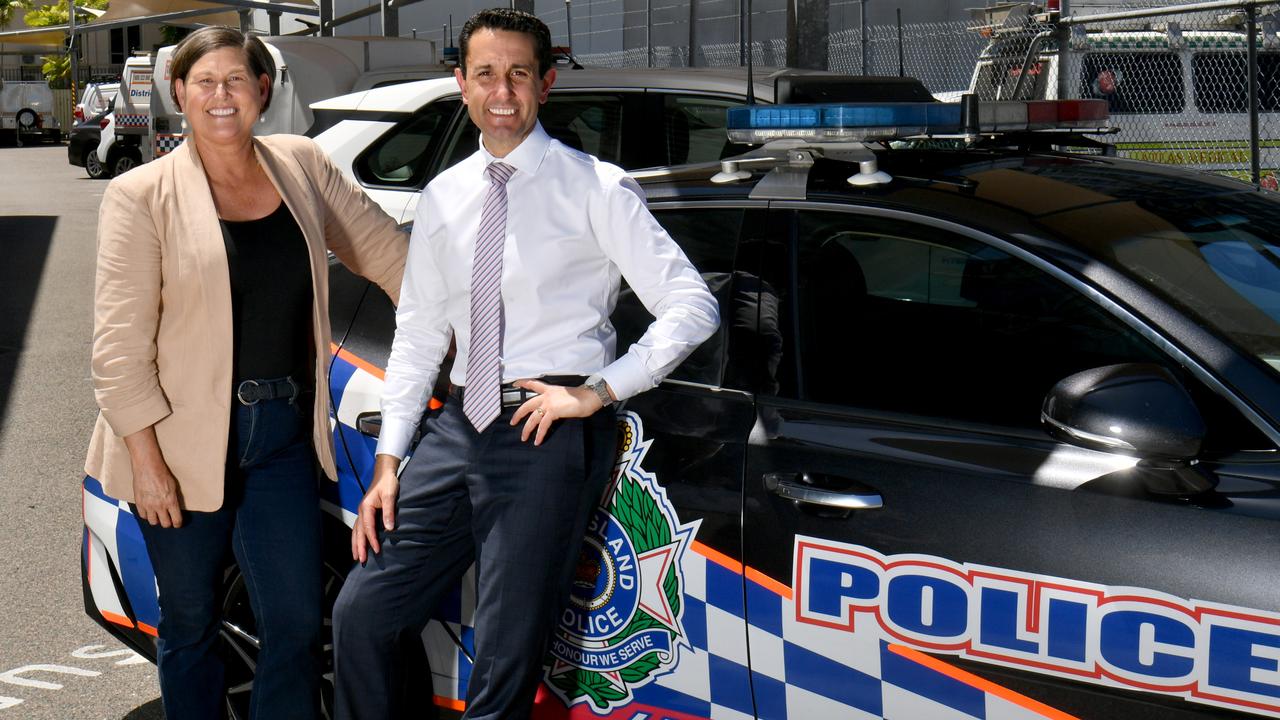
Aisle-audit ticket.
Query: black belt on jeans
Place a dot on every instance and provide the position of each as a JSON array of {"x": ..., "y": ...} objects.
[
  {"x": 251, "y": 392},
  {"x": 513, "y": 396}
]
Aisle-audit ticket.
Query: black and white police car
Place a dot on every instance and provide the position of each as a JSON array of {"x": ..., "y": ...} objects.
[{"x": 990, "y": 430}]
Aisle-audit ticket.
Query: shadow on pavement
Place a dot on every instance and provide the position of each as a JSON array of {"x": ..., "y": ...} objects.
[
  {"x": 151, "y": 711},
  {"x": 24, "y": 247}
]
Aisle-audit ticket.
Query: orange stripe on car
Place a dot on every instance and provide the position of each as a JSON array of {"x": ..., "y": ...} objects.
[
  {"x": 451, "y": 703},
  {"x": 760, "y": 578},
  {"x": 114, "y": 618},
  {"x": 717, "y": 557},
  {"x": 358, "y": 361},
  {"x": 982, "y": 684}
]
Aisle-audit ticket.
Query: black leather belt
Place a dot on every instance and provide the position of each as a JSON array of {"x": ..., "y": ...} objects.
[
  {"x": 251, "y": 392},
  {"x": 513, "y": 396}
]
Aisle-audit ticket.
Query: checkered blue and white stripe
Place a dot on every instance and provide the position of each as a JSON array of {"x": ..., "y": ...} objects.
[
  {"x": 132, "y": 120},
  {"x": 167, "y": 143}
]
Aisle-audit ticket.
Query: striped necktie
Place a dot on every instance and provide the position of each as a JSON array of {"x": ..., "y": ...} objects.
[{"x": 481, "y": 402}]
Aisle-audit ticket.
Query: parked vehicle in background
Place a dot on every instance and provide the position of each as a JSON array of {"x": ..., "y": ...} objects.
[
  {"x": 26, "y": 109},
  {"x": 307, "y": 69},
  {"x": 83, "y": 141},
  {"x": 393, "y": 140},
  {"x": 127, "y": 144},
  {"x": 95, "y": 99},
  {"x": 1178, "y": 94}
]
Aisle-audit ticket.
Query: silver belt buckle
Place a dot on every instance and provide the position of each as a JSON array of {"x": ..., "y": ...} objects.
[{"x": 240, "y": 392}]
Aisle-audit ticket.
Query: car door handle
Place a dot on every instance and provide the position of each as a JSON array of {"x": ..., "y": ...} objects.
[
  {"x": 801, "y": 488},
  {"x": 369, "y": 423}
]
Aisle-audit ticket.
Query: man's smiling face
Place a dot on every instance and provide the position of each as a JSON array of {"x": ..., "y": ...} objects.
[{"x": 502, "y": 87}]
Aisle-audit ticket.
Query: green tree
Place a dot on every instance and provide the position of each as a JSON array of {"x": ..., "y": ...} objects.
[
  {"x": 57, "y": 70},
  {"x": 7, "y": 8},
  {"x": 57, "y": 13}
]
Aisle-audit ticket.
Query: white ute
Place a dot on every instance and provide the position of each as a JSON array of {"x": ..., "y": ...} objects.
[{"x": 308, "y": 69}]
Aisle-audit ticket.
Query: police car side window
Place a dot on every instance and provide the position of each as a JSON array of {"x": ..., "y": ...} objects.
[
  {"x": 709, "y": 237},
  {"x": 402, "y": 156},
  {"x": 901, "y": 318},
  {"x": 590, "y": 123}
]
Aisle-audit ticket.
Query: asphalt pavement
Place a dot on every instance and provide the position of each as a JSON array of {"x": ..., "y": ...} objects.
[{"x": 55, "y": 662}]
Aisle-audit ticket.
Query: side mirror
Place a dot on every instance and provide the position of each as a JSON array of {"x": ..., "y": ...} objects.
[{"x": 1133, "y": 409}]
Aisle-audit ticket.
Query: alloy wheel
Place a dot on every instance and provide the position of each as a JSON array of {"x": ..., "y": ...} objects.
[{"x": 240, "y": 644}]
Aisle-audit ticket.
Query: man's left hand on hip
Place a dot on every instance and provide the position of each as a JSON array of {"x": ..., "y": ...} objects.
[{"x": 554, "y": 402}]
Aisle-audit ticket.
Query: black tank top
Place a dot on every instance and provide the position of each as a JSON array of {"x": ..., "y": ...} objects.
[{"x": 270, "y": 297}]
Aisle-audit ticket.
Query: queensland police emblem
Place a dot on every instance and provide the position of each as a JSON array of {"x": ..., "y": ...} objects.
[{"x": 622, "y": 627}]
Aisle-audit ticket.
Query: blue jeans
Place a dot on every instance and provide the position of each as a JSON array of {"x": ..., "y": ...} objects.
[{"x": 270, "y": 521}]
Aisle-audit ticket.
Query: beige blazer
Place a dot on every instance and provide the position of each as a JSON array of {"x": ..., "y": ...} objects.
[{"x": 162, "y": 343}]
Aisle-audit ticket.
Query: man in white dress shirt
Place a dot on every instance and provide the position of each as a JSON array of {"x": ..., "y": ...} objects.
[{"x": 517, "y": 253}]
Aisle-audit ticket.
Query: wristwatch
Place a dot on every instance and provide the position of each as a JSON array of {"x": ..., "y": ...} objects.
[{"x": 600, "y": 388}]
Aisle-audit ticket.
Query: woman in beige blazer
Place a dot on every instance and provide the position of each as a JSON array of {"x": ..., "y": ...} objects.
[{"x": 211, "y": 337}]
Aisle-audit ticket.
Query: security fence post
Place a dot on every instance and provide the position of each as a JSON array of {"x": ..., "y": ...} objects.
[{"x": 1255, "y": 149}]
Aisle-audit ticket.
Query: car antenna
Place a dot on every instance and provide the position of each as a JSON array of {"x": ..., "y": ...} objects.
[{"x": 751, "y": 80}]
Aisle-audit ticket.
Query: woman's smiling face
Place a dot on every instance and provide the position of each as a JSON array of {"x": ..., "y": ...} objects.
[{"x": 221, "y": 97}]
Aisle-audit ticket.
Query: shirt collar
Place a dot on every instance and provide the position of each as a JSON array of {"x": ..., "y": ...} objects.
[{"x": 527, "y": 156}]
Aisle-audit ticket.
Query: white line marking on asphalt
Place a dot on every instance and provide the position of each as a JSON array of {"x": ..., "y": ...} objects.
[
  {"x": 13, "y": 677},
  {"x": 93, "y": 652}
]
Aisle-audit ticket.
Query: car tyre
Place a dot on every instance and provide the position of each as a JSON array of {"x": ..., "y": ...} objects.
[
  {"x": 26, "y": 120},
  {"x": 240, "y": 644},
  {"x": 124, "y": 162},
  {"x": 94, "y": 167}
]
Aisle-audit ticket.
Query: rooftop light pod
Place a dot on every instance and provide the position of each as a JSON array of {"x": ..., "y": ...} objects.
[{"x": 874, "y": 121}]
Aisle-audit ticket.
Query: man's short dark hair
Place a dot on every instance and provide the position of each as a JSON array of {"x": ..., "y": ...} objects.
[
  {"x": 215, "y": 37},
  {"x": 511, "y": 21}
]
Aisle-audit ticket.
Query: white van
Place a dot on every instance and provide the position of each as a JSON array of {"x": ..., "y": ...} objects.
[
  {"x": 26, "y": 109},
  {"x": 308, "y": 69},
  {"x": 1177, "y": 96},
  {"x": 128, "y": 143}
]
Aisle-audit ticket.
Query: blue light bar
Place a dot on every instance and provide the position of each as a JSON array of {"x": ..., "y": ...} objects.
[{"x": 845, "y": 121}]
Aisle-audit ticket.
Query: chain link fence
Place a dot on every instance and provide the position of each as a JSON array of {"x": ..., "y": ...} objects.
[{"x": 1176, "y": 82}]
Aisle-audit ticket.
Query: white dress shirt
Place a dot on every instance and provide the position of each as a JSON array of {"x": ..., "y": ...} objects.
[{"x": 575, "y": 227}]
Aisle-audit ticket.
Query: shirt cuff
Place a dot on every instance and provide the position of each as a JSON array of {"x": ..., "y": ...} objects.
[
  {"x": 395, "y": 436},
  {"x": 627, "y": 376}
]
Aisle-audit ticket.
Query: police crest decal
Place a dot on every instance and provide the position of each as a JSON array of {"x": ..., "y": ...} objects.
[{"x": 622, "y": 627}]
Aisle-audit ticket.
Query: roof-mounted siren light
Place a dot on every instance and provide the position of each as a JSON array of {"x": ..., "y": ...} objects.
[
  {"x": 850, "y": 122},
  {"x": 1023, "y": 115}
]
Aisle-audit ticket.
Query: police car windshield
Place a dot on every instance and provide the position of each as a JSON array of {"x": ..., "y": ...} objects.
[{"x": 1216, "y": 257}]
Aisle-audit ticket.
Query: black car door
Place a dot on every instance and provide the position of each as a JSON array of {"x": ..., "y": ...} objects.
[
  {"x": 675, "y": 513},
  {"x": 918, "y": 546}
]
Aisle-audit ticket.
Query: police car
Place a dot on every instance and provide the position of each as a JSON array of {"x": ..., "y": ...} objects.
[{"x": 989, "y": 430}]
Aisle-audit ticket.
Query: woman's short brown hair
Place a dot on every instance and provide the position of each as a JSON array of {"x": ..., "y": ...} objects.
[{"x": 215, "y": 37}]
